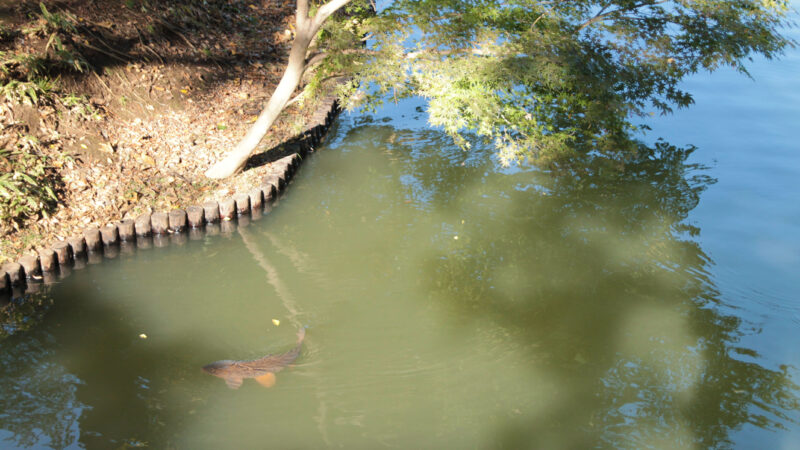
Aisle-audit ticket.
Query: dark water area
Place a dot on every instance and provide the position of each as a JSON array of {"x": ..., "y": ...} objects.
[{"x": 452, "y": 303}]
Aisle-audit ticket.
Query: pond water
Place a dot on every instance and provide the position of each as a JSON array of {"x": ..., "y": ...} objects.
[{"x": 451, "y": 303}]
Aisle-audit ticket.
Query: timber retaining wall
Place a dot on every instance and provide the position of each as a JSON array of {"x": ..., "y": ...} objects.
[{"x": 160, "y": 229}]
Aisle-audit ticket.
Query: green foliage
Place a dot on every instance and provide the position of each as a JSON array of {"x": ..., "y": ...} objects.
[
  {"x": 27, "y": 184},
  {"x": 26, "y": 92},
  {"x": 57, "y": 28},
  {"x": 57, "y": 22},
  {"x": 62, "y": 56},
  {"x": 6, "y": 33},
  {"x": 547, "y": 80},
  {"x": 21, "y": 315},
  {"x": 28, "y": 78},
  {"x": 80, "y": 105}
]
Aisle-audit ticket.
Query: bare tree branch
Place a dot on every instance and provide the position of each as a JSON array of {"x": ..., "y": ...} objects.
[
  {"x": 603, "y": 15},
  {"x": 326, "y": 10}
]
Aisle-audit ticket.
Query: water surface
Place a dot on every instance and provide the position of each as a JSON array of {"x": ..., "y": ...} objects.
[{"x": 452, "y": 303}]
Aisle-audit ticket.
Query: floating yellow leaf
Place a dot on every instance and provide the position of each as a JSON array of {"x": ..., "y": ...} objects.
[
  {"x": 143, "y": 336},
  {"x": 276, "y": 322}
]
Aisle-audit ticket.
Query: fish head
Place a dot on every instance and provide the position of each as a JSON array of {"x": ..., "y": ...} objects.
[{"x": 218, "y": 368}]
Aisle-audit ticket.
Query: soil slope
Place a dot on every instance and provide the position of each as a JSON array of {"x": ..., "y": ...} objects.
[{"x": 117, "y": 107}]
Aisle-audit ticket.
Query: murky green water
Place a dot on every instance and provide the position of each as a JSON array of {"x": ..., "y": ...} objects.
[{"x": 453, "y": 304}]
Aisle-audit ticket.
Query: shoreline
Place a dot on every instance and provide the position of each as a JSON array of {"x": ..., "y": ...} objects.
[{"x": 55, "y": 260}]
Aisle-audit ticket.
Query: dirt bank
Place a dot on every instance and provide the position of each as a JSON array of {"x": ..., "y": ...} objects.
[{"x": 143, "y": 95}]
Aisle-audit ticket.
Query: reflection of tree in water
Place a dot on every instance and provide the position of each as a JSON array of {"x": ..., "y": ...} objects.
[
  {"x": 595, "y": 271},
  {"x": 22, "y": 314},
  {"x": 38, "y": 402}
]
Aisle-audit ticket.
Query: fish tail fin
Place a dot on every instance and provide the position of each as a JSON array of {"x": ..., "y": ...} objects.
[{"x": 301, "y": 335}]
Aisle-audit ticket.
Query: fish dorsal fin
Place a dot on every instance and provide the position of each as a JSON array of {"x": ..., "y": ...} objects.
[
  {"x": 233, "y": 382},
  {"x": 266, "y": 380}
]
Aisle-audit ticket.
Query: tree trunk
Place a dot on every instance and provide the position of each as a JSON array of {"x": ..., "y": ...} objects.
[
  {"x": 236, "y": 159},
  {"x": 306, "y": 29}
]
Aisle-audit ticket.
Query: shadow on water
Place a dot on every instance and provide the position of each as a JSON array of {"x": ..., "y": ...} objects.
[
  {"x": 596, "y": 272},
  {"x": 59, "y": 387}
]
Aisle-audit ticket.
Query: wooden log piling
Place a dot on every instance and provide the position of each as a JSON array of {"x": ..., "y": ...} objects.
[
  {"x": 195, "y": 216},
  {"x": 30, "y": 266},
  {"x": 268, "y": 192},
  {"x": 227, "y": 209},
  {"x": 211, "y": 212},
  {"x": 127, "y": 230},
  {"x": 177, "y": 220},
  {"x": 110, "y": 235},
  {"x": 5, "y": 283},
  {"x": 16, "y": 277},
  {"x": 159, "y": 222},
  {"x": 78, "y": 246},
  {"x": 276, "y": 181},
  {"x": 142, "y": 225},
  {"x": 48, "y": 260},
  {"x": 93, "y": 240},
  {"x": 242, "y": 203},
  {"x": 63, "y": 253},
  {"x": 256, "y": 199}
]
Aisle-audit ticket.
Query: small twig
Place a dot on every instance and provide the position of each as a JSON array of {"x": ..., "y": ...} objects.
[
  {"x": 175, "y": 30},
  {"x": 147, "y": 47},
  {"x": 105, "y": 44},
  {"x": 102, "y": 82},
  {"x": 87, "y": 45},
  {"x": 296, "y": 98}
]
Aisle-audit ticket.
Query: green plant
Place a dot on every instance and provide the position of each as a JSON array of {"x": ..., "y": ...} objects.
[
  {"x": 58, "y": 22},
  {"x": 80, "y": 105},
  {"x": 64, "y": 56},
  {"x": 27, "y": 184},
  {"x": 27, "y": 92},
  {"x": 5, "y": 32}
]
